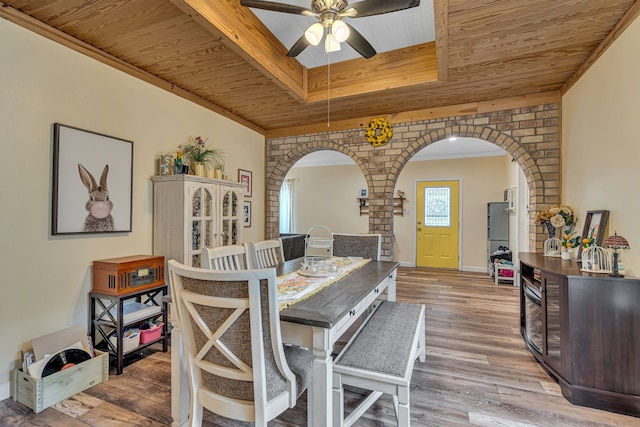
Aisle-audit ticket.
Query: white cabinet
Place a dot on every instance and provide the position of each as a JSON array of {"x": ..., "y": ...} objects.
[{"x": 191, "y": 213}]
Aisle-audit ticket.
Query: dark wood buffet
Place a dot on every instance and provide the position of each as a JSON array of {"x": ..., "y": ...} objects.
[{"x": 584, "y": 329}]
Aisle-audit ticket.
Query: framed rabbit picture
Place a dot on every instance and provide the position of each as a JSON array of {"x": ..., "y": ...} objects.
[{"x": 92, "y": 182}]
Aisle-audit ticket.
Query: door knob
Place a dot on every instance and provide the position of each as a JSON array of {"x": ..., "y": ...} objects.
[{"x": 419, "y": 229}]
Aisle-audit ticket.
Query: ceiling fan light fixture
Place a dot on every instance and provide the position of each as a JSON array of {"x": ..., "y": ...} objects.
[
  {"x": 314, "y": 34},
  {"x": 330, "y": 44},
  {"x": 340, "y": 31}
]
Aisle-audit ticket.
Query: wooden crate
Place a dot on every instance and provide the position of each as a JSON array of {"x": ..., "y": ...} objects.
[{"x": 39, "y": 394}]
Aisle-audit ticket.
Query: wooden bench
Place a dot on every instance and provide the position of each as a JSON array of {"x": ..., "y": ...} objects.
[{"x": 380, "y": 357}]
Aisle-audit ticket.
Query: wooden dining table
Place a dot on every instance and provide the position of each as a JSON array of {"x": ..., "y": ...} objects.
[{"x": 315, "y": 322}]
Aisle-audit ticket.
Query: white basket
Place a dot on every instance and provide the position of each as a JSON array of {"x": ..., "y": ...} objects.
[
  {"x": 318, "y": 244},
  {"x": 129, "y": 343}
]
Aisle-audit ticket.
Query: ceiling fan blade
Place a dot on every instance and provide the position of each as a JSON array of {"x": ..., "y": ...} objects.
[
  {"x": 298, "y": 47},
  {"x": 359, "y": 43},
  {"x": 276, "y": 7},
  {"x": 378, "y": 7}
]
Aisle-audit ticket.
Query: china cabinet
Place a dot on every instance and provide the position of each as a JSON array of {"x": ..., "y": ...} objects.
[{"x": 191, "y": 213}]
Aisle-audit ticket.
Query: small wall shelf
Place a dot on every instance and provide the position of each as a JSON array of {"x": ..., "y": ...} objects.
[{"x": 398, "y": 205}]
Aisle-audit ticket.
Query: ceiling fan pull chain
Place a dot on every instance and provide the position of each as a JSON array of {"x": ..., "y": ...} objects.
[{"x": 328, "y": 89}]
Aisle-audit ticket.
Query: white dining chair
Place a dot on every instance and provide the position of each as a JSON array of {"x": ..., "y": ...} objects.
[
  {"x": 267, "y": 253},
  {"x": 238, "y": 366},
  {"x": 234, "y": 257}
]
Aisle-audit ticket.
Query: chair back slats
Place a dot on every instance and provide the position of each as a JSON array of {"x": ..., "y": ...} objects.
[
  {"x": 233, "y": 257},
  {"x": 266, "y": 254}
]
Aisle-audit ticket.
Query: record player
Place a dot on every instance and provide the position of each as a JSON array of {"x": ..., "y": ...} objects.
[{"x": 125, "y": 275}]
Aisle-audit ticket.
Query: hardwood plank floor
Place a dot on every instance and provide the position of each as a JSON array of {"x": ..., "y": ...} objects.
[{"x": 478, "y": 372}]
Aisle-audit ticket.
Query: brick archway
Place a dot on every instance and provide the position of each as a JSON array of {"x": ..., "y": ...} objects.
[{"x": 530, "y": 135}]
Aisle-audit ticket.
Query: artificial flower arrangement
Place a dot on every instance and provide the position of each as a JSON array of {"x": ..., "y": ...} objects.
[
  {"x": 196, "y": 151},
  {"x": 590, "y": 240},
  {"x": 556, "y": 217},
  {"x": 570, "y": 239}
]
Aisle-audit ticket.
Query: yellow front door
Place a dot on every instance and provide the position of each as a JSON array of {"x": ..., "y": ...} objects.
[{"x": 437, "y": 224}]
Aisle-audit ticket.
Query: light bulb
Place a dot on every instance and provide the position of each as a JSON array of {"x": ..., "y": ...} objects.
[
  {"x": 330, "y": 44},
  {"x": 340, "y": 31},
  {"x": 314, "y": 34}
]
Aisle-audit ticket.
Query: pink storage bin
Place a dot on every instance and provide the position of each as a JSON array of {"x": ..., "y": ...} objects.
[{"x": 151, "y": 334}]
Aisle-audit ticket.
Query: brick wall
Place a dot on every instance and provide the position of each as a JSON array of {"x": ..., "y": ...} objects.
[{"x": 531, "y": 135}]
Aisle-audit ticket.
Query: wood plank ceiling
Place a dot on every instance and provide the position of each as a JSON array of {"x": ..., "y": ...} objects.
[{"x": 217, "y": 53}]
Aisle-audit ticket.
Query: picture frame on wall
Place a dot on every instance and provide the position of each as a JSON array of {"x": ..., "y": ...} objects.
[
  {"x": 245, "y": 178},
  {"x": 246, "y": 215},
  {"x": 92, "y": 186},
  {"x": 596, "y": 221},
  {"x": 364, "y": 193}
]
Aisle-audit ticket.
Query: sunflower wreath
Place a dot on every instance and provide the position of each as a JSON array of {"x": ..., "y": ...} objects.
[{"x": 378, "y": 132}]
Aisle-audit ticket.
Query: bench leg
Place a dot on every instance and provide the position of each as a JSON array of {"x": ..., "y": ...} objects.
[
  {"x": 402, "y": 411},
  {"x": 422, "y": 348}
]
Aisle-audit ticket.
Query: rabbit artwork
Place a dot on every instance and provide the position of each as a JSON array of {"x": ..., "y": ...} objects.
[{"x": 98, "y": 206}]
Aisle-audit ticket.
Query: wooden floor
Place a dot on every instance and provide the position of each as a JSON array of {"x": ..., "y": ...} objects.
[{"x": 477, "y": 372}]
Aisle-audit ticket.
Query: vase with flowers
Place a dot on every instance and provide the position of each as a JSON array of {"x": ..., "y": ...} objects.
[
  {"x": 555, "y": 217},
  {"x": 199, "y": 155}
]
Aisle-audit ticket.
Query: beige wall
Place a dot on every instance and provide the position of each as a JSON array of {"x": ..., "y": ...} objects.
[
  {"x": 482, "y": 180},
  {"x": 45, "y": 279},
  {"x": 327, "y": 195},
  {"x": 601, "y": 142}
]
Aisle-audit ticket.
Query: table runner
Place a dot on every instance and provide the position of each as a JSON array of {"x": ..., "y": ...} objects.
[{"x": 293, "y": 287}]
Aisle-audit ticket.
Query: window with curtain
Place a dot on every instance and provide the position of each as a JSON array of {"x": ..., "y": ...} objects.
[{"x": 286, "y": 206}]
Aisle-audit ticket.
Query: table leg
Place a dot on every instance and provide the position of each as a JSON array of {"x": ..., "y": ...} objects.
[{"x": 320, "y": 404}]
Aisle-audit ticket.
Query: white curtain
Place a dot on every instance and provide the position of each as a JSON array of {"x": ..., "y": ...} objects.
[{"x": 286, "y": 206}]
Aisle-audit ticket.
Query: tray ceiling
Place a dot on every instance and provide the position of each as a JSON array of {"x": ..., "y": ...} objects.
[{"x": 220, "y": 55}]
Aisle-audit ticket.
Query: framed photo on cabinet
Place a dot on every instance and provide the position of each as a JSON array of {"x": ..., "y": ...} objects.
[
  {"x": 246, "y": 214},
  {"x": 245, "y": 178},
  {"x": 595, "y": 224},
  {"x": 92, "y": 182}
]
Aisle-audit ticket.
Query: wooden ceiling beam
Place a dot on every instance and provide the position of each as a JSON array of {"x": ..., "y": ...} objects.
[
  {"x": 389, "y": 70},
  {"x": 239, "y": 29},
  {"x": 441, "y": 22},
  {"x": 418, "y": 115}
]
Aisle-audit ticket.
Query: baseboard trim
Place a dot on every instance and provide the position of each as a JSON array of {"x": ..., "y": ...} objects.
[
  {"x": 463, "y": 268},
  {"x": 5, "y": 390}
]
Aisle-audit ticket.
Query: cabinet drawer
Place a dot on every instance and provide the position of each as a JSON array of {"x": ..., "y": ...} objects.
[{"x": 348, "y": 320}]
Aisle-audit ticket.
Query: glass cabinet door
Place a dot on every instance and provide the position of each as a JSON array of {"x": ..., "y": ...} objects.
[
  {"x": 231, "y": 218},
  {"x": 202, "y": 226}
]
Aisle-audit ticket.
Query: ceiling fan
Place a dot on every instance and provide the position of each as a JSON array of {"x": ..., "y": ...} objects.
[{"x": 330, "y": 13}]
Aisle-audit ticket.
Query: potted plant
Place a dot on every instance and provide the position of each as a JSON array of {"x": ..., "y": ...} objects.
[
  {"x": 569, "y": 241},
  {"x": 199, "y": 155}
]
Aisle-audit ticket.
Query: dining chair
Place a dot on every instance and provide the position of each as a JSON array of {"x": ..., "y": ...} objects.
[
  {"x": 357, "y": 245},
  {"x": 234, "y": 257},
  {"x": 267, "y": 253},
  {"x": 238, "y": 366}
]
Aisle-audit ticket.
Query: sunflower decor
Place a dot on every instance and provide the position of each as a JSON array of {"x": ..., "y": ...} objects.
[{"x": 378, "y": 132}]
